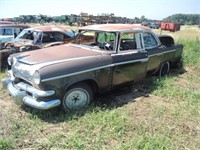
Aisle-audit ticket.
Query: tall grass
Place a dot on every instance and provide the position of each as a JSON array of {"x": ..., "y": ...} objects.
[{"x": 191, "y": 52}]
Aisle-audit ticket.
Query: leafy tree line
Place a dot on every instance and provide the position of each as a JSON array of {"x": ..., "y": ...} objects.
[
  {"x": 71, "y": 19},
  {"x": 184, "y": 19}
]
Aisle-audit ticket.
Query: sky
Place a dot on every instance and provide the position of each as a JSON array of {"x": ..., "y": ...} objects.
[{"x": 151, "y": 9}]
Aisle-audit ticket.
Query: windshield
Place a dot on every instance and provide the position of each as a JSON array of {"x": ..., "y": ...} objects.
[
  {"x": 71, "y": 33},
  {"x": 35, "y": 36},
  {"x": 97, "y": 40},
  {"x": 6, "y": 31}
]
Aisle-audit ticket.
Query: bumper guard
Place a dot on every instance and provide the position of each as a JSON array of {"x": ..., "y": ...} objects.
[{"x": 20, "y": 94}]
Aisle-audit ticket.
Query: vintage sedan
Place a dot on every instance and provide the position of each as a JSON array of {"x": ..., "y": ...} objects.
[
  {"x": 37, "y": 38},
  {"x": 69, "y": 75}
]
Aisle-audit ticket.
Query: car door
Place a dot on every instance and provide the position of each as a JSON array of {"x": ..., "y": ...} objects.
[
  {"x": 130, "y": 61},
  {"x": 154, "y": 51}
]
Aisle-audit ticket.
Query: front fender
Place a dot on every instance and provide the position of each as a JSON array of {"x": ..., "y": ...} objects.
[{"x": 61, "y": 85}]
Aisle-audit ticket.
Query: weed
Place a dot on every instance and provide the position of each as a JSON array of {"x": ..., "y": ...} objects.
[{"x": 5, "y": 144}]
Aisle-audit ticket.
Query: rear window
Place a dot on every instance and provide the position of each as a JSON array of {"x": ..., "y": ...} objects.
[
  {"x": 149, "y": 40},
  {"x": 6, "y": 31}
]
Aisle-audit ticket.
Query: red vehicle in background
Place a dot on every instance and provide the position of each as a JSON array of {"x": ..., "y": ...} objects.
[{"x": 170, "y": 26}]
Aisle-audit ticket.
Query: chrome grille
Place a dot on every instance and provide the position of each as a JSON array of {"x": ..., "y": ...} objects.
[{"x": 20, "y": 71}]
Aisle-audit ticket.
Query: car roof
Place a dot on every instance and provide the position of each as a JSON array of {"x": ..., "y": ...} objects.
[
  {"x": 114, "y": 27},
  {"x": 50, "y": 28},
  {"x": 14, "y": 25},
  {"x": 6, "y": 22}
]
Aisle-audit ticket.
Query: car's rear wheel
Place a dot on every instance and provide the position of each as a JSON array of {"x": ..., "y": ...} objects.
[
  {"x": 77, "y": 96},
  {"x": 164, "y": 69}
]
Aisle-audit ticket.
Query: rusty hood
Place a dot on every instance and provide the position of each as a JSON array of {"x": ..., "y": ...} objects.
[
  {"x": 55, "y": 54},
  {"x": 20, "y": 43},
  {"x": 58, "y": 61}
]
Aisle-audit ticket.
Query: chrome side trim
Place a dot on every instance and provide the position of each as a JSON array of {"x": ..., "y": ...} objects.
[
  {"x": 169, "y": 51},
  {"x": 157, "y": 54},
  {"x": 102, "y": 67},
  {"x": 127, "y": 62},
  {"x": 32, "y": 102},
  {"x": 128, "y": 52},
  {"x": 163, "y": 52},
  {"x": 35, "y": 92}
]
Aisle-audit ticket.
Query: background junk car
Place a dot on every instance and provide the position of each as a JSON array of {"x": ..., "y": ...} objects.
[
  {"x": 69, "y": 75},
  {"x": 9, "y": 31},
  {"x": 36, "y": 38}
]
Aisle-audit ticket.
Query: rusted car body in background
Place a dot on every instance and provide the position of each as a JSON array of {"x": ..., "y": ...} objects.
[
  {"x": 170, "y": 26},
  {"x": 36, "y": 38},
  {"x": 6, "y": 22},
  {"x": 69, "y": 75},
  {"x": 9, "y": 31}
]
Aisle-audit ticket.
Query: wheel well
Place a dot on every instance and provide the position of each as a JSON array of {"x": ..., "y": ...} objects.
[
  {"x": 166, "y": 62},
  {"x": 170, "y": 63},
  {"x": 91, "y": 83},
  {"x": 162, "y": 65}
]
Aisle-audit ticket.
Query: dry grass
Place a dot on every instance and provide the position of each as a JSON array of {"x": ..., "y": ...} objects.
[{"x": 186, "y": 32}]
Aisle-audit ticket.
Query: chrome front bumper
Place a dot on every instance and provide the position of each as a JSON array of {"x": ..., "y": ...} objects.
[{"x": 20, "y": 92}]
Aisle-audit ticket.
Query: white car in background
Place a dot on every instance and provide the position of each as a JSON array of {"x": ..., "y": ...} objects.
[{"x": 9, "y": 31}]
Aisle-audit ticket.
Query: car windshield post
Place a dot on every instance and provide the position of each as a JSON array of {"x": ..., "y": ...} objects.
[
  {"x": 21, "y": 35},
  {"x": 37, "y": 37}
]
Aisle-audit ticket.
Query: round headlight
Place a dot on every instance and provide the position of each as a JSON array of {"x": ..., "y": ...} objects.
[{"x": 36, "y": 77}]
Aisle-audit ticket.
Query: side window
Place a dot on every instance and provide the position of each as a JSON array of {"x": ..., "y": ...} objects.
[
  {"x": 52, "y": 37},
  {"x": 106, "y": 37},
  {"x": 149, "y": 40},
  {"x": 47, "y": 37},
  {"x": 106, "y": 40},
  {"x": 57, "y": 36},
  {"x": 7, "y": 31},
  {"x": 128, "y": 41}
]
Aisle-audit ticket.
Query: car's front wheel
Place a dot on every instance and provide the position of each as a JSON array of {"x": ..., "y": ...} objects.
[{"x": 77, "y": 96}]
